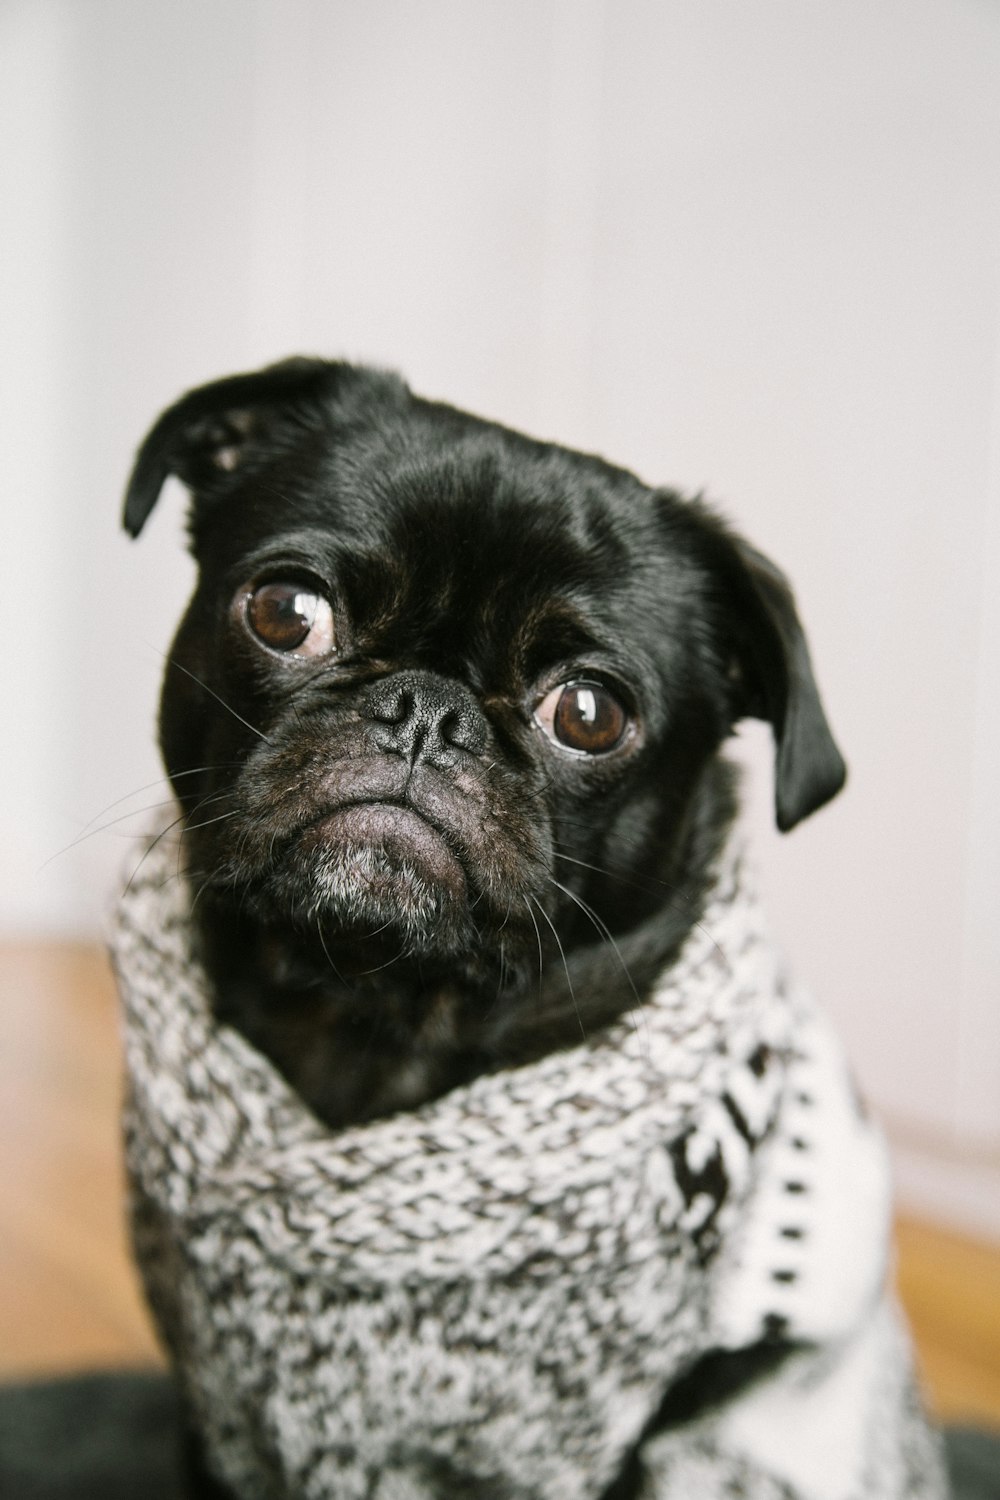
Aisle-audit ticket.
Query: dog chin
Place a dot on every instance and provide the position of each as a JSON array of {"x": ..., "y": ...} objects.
[{"x": 375, "y": 869}]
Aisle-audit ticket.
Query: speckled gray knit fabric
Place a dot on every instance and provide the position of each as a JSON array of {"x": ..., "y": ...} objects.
[{"x": 489, "y": 1296}]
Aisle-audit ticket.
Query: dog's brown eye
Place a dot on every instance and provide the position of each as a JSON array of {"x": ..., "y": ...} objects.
[
  {"x": 583, "y": 716},
  {"x": 291, "y": 617}
]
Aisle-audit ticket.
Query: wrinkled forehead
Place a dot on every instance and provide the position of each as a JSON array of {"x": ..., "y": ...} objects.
[
  {"x": 465, "y": 578},
  {"x": 471, "y": 550}
]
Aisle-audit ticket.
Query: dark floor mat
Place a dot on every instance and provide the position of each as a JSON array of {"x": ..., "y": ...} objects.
[
  {"x": 90, "y": 1437},
  {"x": 114, "y": 1436}
]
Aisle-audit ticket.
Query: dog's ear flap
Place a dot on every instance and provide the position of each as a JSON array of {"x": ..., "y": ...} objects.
[
  {"x": 774, "y": 681},
  {"x": 207, "y": 433}
]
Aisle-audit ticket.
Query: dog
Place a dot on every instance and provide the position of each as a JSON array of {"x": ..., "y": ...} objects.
[{"x": 445, "y": 720}]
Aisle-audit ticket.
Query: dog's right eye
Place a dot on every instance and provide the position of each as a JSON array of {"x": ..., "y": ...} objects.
[{"x": 291, "y": 618}]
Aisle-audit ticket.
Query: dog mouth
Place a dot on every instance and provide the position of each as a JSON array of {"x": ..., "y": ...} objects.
[
  {"x": 391, "y": 837},
  {"x": 371, "y": 851},
  {"x": 377, "y": 869}
]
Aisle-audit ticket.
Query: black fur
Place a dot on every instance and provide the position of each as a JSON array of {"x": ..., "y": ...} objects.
[{"x": 402, "y": 879}]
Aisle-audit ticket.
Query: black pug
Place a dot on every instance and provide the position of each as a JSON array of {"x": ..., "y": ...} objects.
[{"x": 444, "y": 719}]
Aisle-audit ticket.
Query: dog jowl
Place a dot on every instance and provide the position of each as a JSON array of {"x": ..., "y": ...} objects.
[{"x": 444, "y": 719}]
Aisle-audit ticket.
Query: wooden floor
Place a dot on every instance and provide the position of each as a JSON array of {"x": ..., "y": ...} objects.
[{"x": 69, "y": 1297}]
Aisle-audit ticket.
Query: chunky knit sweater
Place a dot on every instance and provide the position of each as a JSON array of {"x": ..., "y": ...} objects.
[{"x": 504, "y": 1293}]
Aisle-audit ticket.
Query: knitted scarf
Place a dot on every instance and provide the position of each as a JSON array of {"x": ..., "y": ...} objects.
[{"x": 494, "y": 1295}]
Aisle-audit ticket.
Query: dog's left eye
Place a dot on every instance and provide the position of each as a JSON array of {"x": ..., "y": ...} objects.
[
  {"x": 584, "y": 717},
  {"x": 291, "y": 617}
]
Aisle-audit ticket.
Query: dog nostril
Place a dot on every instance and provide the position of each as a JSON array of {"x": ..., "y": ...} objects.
[
  {"x": 464, "y": 728},
  {"x": 393, "y": 707},
  {"x": 450, "y": 729}
]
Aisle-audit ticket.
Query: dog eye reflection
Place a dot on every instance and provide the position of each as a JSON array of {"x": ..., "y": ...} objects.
[
  {"x": 583, "y": 717},
  {"x": 290, "y": 618}
]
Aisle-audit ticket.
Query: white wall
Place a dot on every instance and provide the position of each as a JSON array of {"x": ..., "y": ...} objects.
[{"x": 747, "y": 248}]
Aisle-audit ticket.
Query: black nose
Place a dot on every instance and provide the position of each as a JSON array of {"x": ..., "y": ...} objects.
[{"x": 425, "y": 718}]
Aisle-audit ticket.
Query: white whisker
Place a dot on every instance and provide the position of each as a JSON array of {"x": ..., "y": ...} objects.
[{"x": 562, "y": 955}]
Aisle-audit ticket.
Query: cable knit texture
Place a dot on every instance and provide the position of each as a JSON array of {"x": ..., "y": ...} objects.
[{"x": 490, "y": 1296}]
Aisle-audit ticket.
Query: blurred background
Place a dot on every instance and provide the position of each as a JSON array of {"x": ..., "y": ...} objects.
[{"x": 747, "y": 249}]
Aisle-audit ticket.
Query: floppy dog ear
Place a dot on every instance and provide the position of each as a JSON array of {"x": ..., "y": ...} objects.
[
  {"x": 774, "y": 681},
  {"x": 205, "y": 434}
]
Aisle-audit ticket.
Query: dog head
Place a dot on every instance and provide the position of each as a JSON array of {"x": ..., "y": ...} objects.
[{"x": 452, "y": 697}]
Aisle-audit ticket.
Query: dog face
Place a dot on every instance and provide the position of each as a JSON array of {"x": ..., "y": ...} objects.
[{"x": 447, "y": 703}]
